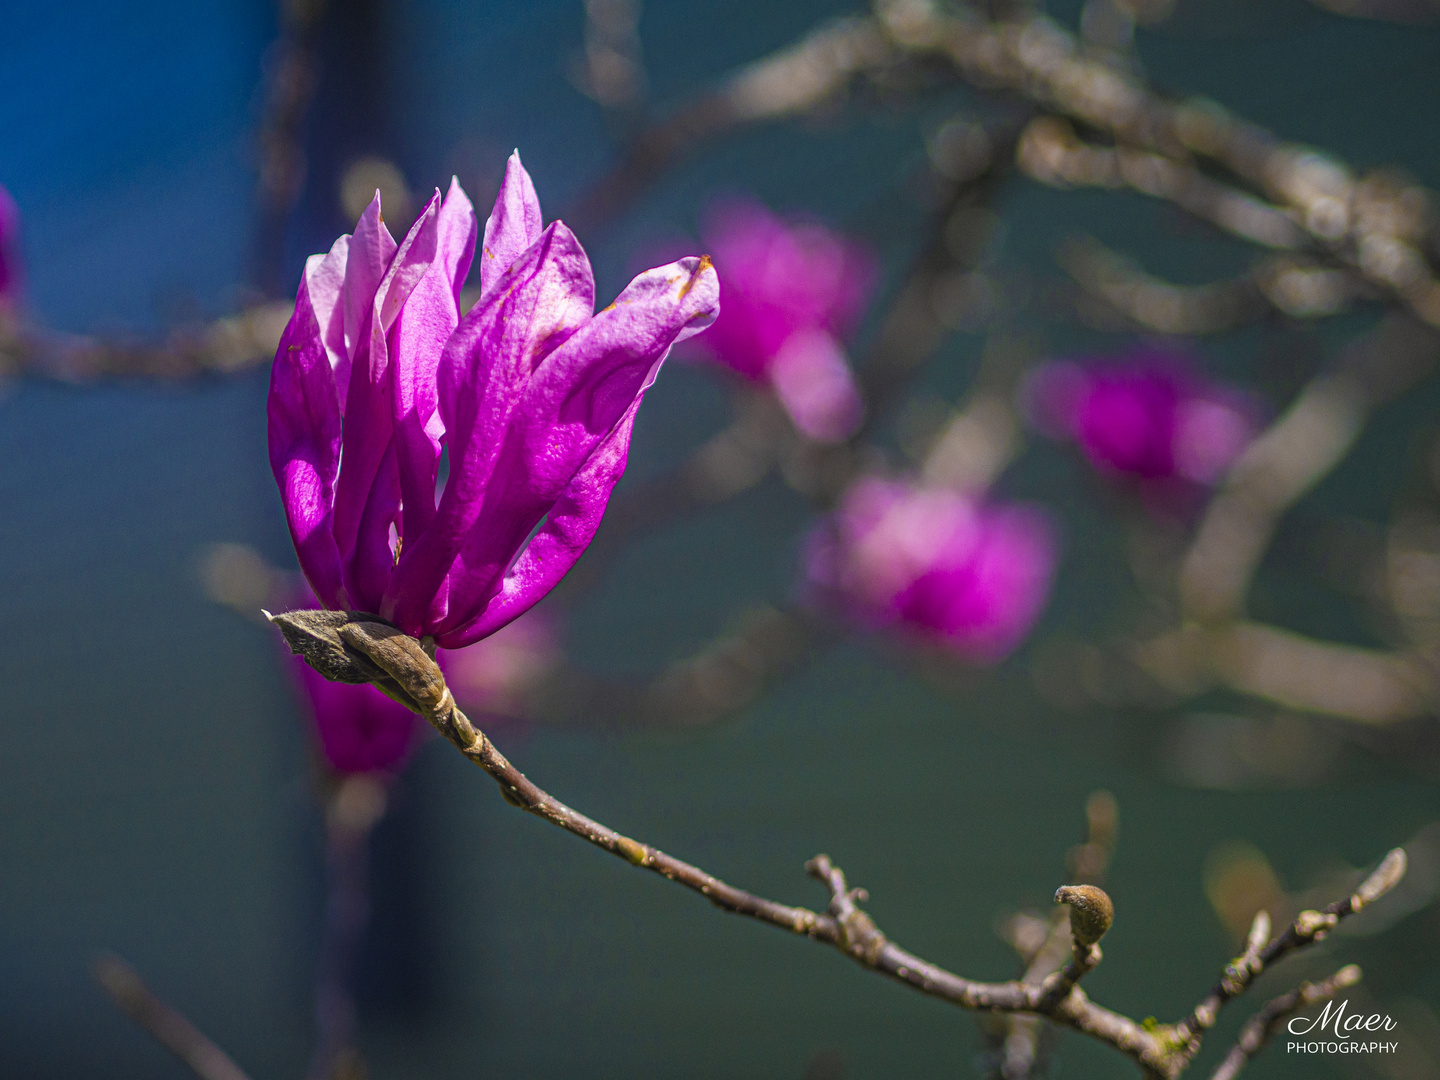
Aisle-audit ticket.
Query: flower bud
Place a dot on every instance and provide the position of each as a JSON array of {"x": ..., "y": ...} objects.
[{"x": 1091, "y": 912}]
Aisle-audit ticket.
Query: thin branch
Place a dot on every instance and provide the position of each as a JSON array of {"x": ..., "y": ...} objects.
[
  {"x": 1261, "y": 1027},
  {"x": 356, "y": 647},
  {"x": 412, "y": 676},
  {"x": 1308, "y": 928},
  {"x": 172, "y": 1030},
  {"x": 229, "y": 344}
]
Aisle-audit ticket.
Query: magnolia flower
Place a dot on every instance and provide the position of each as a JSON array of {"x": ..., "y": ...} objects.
[
  {"x": 10, "y": 265},
  {"x": 967, "y": 575},
  {"x": 1146, "y": 414},
  {"x": 533, "y": 395},
  {"x": 791, "y": 292}
]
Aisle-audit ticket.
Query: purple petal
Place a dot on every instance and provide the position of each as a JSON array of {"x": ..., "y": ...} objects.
[
  {"x": 813, "y": 381},
  {"x": 486, "y": 366},
  {"x": 325, "y": 278},
  {"x": 575, "y": 399},
  {"x": 369, "y": 253},
  {"x": 425, "y": 323},
  {"x": 567, "y": 532},
  {"x": 514, "y": 224},
  {"x": 359, "y": 729},
  {"x": 304, "y": 437},
  {"x": 456, "y": 240},
  {"x": 368, "y": 486}
]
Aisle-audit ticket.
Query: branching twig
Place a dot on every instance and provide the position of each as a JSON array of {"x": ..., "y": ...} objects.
[
  {"x": 1261, "y": 1027},
  {"x": 353, "y": 646},
  {"x": 172, "y": 1030},
  {"x": 1309, "y": 927}
]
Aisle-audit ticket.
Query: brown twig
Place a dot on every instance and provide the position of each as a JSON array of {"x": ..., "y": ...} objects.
[
  {"x": 358, "y": 647},
  {"x": 172, "y": 1030}
]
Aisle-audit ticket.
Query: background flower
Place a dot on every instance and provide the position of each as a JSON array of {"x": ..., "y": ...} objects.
[
  {"x": 11, "y": 266},
  {"x": 968, "y": 575},
  {"x": 792, "y": 292},
  {"x": 358, "y": 729},
  {"x": 1146, "y": 413}
]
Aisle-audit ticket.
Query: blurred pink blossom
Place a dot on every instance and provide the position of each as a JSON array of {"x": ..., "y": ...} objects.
[
  {"x": 1146, "y": 414},
  {"x": 491, "y": 676},
  {"x": 358, "y": 729},
  {"x": 11, "y": 267},
  {"x": 792, "y": 291},
  {"x": 968, "y": 575}
]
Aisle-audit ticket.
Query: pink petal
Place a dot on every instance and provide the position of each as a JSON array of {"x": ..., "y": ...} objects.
[
  {"x": 304, "y": 436},
  {"x": 514, "y": 224},
  {"x": 568, "y": 529},
  {"x": 576, "y": 398},
  {"x": 486, "y": 366},
  {"x": 813, "y": 381}
]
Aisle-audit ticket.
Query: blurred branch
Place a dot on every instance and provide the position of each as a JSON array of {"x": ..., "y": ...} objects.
[
  {"x": 231, "y": 344},
  {"x": 1298, "y": 672},
  {"x": 170, "y": 1029},
  {"x": 1378, "y": 227},
  {"x": 788, "y": 83},
  {"x": 1292, "y": 455},
  {"x": 715, "y": 682},
  {"x": 1052, "y": 152},
  {"x": 287, "y": 87},
  {"x": 405, "y": 669},
  {"x": 1402, "y": 11},
  {"x": 610, "y": 70},
  {"x": 353, "y": 807},
  {"x": 1158, "y": 305}
]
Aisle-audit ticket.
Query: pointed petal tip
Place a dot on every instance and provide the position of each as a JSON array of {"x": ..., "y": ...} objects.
[{"x": 696, "y": 274}]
